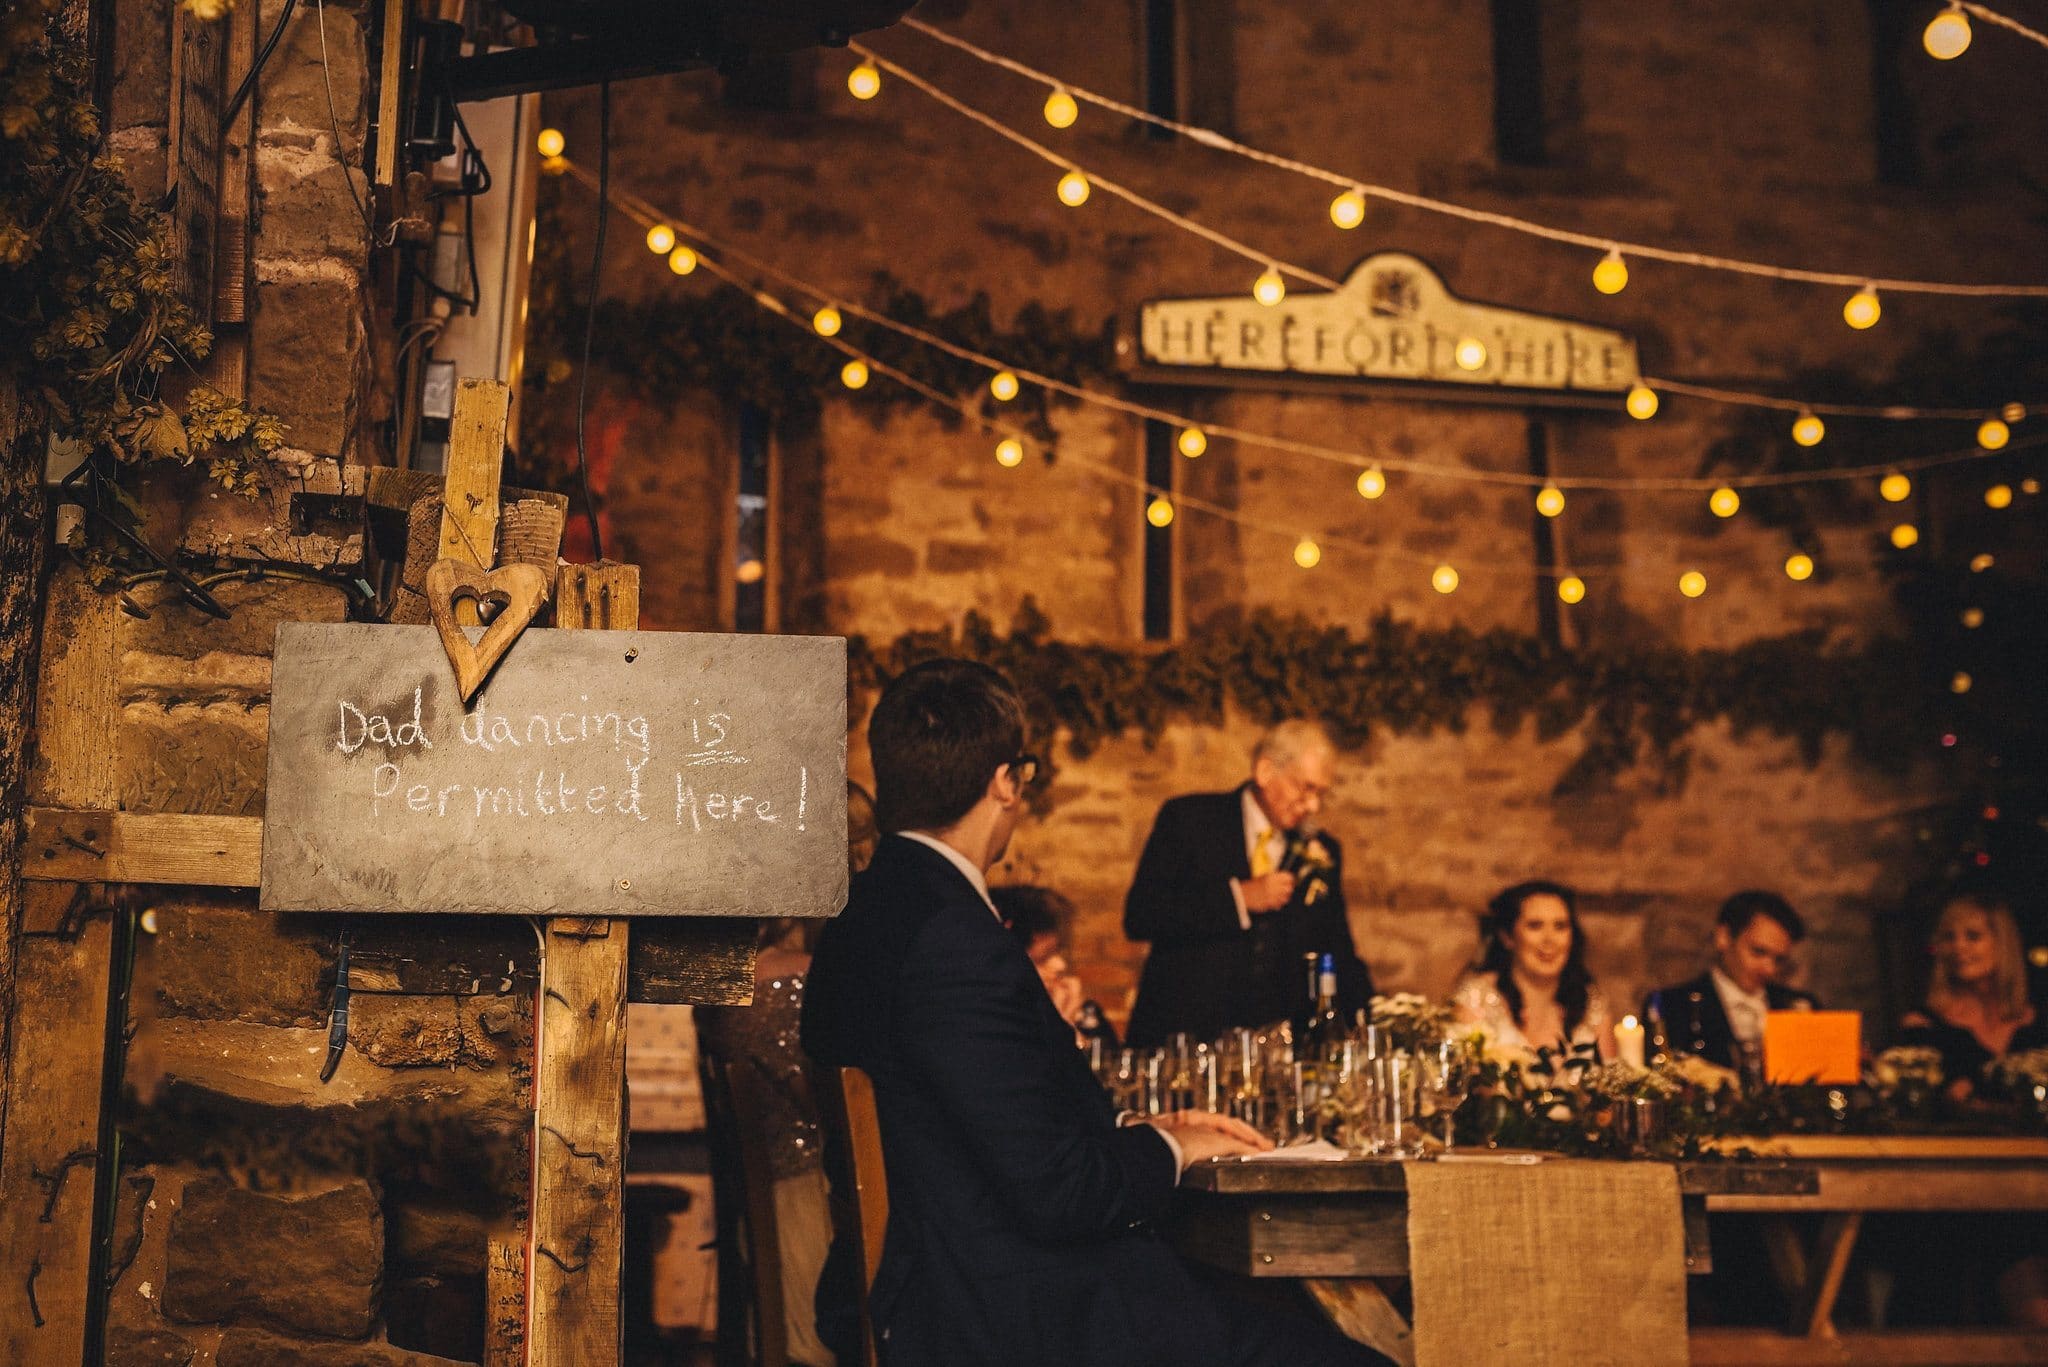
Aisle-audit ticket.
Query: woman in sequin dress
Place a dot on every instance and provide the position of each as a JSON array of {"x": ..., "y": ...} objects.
[{"x": 1532, "y": 989}]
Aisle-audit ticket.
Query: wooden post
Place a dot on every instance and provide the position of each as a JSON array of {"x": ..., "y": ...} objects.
[{"x": 580, "y": 1080}]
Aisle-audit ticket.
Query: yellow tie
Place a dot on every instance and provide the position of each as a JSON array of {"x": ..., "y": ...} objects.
[{"x": 1262, "y": 856}]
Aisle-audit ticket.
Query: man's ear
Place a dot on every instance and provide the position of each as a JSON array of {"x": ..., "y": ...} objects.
[
  {"x": 1003, "y": 788},
  {"x": 1723, "y": 941}
]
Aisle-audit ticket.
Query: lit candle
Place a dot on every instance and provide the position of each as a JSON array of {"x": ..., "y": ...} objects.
[{"x": 1628, "y": 1040}]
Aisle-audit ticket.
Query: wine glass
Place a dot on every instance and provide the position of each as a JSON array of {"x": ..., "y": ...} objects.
[{"x": 1446, "y": 1079}]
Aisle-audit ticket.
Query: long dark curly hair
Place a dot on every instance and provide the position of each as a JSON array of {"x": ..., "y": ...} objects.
[{"x": 1502, "y": 913}]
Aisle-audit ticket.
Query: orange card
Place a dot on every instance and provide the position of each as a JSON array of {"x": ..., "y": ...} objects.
[{"x": 1813, "y": 1046}]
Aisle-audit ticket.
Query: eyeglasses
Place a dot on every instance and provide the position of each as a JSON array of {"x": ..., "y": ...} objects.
[{"x": 1024, "y": 768}]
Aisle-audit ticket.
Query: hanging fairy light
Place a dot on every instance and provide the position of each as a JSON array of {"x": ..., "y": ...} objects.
[
  {"x": 1003, "y": 384},
  {"x": 1798, "y": 567},
  {"x": 1571, "y": 589},
  {"x": 1981, "y": 562},
  {"x": 1307, "y": 553},
  {"x": 1550, "y": 500},
  {"x": 1010, "y": 454},
  {"x": 1862, "y": 310},
  {"x": 1724, "y": 502},
  {"x": 827, "y": 321},
  {"x": 2013, "y": 412},
  {"x": 1192, "y": 442},
  {"x": 550, "y": 142},
  {"x": 1444, "y": 579},
  {"x": 1159, "y": 512},
  {"x": 1947, "y": 35},
  {"x": 1692, "y": 583},
  {"x": 1611, "y": 275},
  {"x": 1060, "y": 109},
  {"x": 1960, "y": 682},
  {"x": 1269, "y": 289},
  {"x": 864, "y": 82},
  {"x": 661, "y": 239},
  {"x": 1641, "y": 402},
  {"x": 1073, "y": 189},
  {"x": 1808, "y": 429},
  {"x": 1347, "y": 210},
  {"x": 1895, "y": 488},
  {"x": 1905, "y": 536},
  {"x": 1471, "y": 354},
  {"x": 682, "y": 261},
  {"x": 1973, "y": 618},
  {"x": 1993, "y": 434},
  {"x": 1372, "y": 482},
  {"x": 854, "y": 374},
  {"x": 1998, "y": 496}
]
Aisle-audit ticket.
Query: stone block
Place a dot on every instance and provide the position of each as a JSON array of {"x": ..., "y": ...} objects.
[
  {"x": 142, "y": 67},
  {"x": 160, "y": 1348},
  {"x": 201, "y": 758},
  {"x": 257, "y": 1348},
  {"x": 852, "y": 555},
  {"x": 303, "y": 203},
  {"x": 406, "y": 1032},
  {"x": 311, "y": 1264},
  {"x": 962, "y": 557},
  {"x": 219, "y": 960},
  {"x": 437, "y": 1240},
  {"x": 255, "y": 606},
  {"x": 297, "y": 82},
  {"x": 306, "y": 349}
]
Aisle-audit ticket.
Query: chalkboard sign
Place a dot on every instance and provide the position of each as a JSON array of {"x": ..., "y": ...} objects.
[{"x": 598, "y": 773}]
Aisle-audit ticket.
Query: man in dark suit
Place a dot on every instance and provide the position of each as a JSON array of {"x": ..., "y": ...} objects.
[
  {"x": 1021, "y": 1212},
  {"x": 1719, "y": 1015},
  {"x": 1234, "y": 890}
]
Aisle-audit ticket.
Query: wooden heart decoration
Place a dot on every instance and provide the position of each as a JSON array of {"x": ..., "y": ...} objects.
[{"x": 517, "y": 591}]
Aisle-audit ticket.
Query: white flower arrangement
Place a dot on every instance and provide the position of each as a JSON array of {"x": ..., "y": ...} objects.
[
  {"x": 1904, "y": 1067},
  {"x": 2026, "y": 1071}
]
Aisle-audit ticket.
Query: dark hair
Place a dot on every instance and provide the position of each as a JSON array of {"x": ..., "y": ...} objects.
[
  {"x": 938, "y": 735},
  {"x": 1030, "y": 911},
  {"x": 1738, "y": 911},
  {"x": 1501, "y": 914}
]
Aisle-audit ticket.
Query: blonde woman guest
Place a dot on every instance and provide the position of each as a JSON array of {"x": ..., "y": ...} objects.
[
  {"x": 1977, "y": 1009},
  {"x": 1532, "y": 989}
]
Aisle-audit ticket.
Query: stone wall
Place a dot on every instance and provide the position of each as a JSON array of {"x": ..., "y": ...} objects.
[{"x": 1748, "y": 131}]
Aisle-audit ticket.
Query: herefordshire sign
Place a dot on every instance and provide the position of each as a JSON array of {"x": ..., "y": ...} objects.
[
  {"x": 1391, "y": 319},
  {"x": 598, "y": 773}
]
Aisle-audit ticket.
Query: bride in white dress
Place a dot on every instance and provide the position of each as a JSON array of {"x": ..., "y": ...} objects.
[{"x": 1531, "y": 990}]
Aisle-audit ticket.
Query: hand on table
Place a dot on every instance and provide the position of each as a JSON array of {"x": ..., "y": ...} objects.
[
  {"x": 1205, "y": 1134},
  {"x": 1267, "y": 892}
]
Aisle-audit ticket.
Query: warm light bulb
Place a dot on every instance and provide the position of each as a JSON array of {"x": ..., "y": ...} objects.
[
  {"x": 1009, "y": 453},
  {"x": 1895, "y": 488},
  {"x": 1981, "y": 562},
  {"x": 1471, "y": 354},
  {"x": 1992, "y": 434},
  {"x": 1571, "y": 589},
  {"x": 1159, "y": 512},
  {"x": 1692, "y": 583},
  {"x": 1998, "y": 496},
  {"x": 1444, "y": 579},
  {"x": 2013, "y": 412},
  {"x": 854, "y": 373},
  {"x": 551, "y": 142},
  {"x": 1862, "y": 310},
  {"x": 1807, "y": 430},
  {"x": 1948, "y": 35},
  {"x": 1611, "y": 275},
  {"x": 1073, "y": 189},
  {"x": 660, "y": 239},
  {"x": 1348, "y": 209},
  {"x": 864, "y": 81},
  {"x": 682, "y": 261},
  {"x": 749, "y": 571},
  {"x": 1003, "y": 385},
  {"x": 1798, "y": 567},
  {"x": 1193, "y": 441},
  {"x": 1973, "y": 618},
  {"x": 2030, "y": 486},
  {"x": 1307, "y": 553},
  {"x": 1060, "y": 109},
  {"x": 1960, "y": 682},
  {"x": 1269, "y": 289},
  {"x": 1905, "y": 536},
  {"x": 827, "y": 321},
  {"x": 1550, "y": 500},
  {"x": 1724, "y": 502},
  {"x": 1372, "y": 483},
  {"x": 1642, "y": 402}
]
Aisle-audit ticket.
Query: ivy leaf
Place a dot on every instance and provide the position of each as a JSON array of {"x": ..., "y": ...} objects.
[{"x": 160, "y": 434}]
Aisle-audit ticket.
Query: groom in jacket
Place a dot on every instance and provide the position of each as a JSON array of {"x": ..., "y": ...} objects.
[{"x": 1022, "y": 1213}]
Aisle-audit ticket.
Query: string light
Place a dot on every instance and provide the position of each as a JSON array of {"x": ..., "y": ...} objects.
[
  {"x": 1808, "y": 429},
  {"x": 1571, "y": 588},
  {"x": 1193, "y": 441},
  {"x": 827, "y": 321},
  {"x": 1981, "y": 562},
  {"x": 1998, "y": 496},
  {"x": 1724, "y": 502},
  {"x": 1905, "y": 536},
  {"x": 1641, "y": 402},
  {"x": 1159, "y": 512},
  {"x": 661, "y": 239},
  {"x": 1960, "y": 683},
  {"x": 1862, "y": 311},
  {"x": 1269, "y": 289},
  {"x": 1444, "y": 579},
  {"x": 1611, "y": 275},
  {"x": 1372, "y": 482},
  {"x": 1471, "y": 354},
  {"x": 1010, "y": 455},
  {"x": 1895, "y": 488},
  {"x": 2013, "y": 412},
  {"x": 864, "y": 82},
  {"x": 1003, "y": 384},
  {"x": 682, "y": 261},
  {"x": 1993, "y": 434},
  {"x": 1347, "y": 210},
  {"x": 749, "y": 571},
  {"x": 1973, "y": 618},
  {"x": 1550, "y": 500},
  {"x": 1692, "y": 583},
  {"x": 854, "y": 373},
  {"x": 1073, "y": 189},
  {"x": 1307, "y": 553},
  {"x": 1060, "y": 109},
  {"x": 2030, "y": 486},
  {"x": 1947, "y": 36},
  {"x": 1798, "y": 567},
  {"x": 550, "y": 142}
]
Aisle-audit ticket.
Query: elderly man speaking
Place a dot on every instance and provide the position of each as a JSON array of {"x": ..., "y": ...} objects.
[{"x": 1233, "y": 889}]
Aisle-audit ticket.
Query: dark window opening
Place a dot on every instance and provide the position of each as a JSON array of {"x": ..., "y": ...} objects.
[
  {"x": 750, "y": 522},
  {"x": 1162, "y": 64},
  {"x": 1518, "y": 92},
  {"x": 1159, "y": 451}
]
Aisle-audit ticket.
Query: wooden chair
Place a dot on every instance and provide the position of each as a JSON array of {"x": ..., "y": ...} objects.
[
  {"x": 752, "y": 1331},
  {"x": 849, "y": 1109}
]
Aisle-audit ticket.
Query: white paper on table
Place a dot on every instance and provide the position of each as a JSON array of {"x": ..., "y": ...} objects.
[{"x": 1315, "y": 1151}]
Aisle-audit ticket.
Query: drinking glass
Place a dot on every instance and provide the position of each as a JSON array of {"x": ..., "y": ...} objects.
[
  {"x": 1446, "y": 1079},
  {"x": 1394, "y": 1099}
]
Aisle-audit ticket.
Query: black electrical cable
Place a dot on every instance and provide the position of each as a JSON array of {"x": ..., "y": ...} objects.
[
  {"x": 256, "y": 67},
  {"x": 604, "y": 204}
]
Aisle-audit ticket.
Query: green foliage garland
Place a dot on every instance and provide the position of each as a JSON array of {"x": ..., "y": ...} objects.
[{"x": 1634, "y": 702}]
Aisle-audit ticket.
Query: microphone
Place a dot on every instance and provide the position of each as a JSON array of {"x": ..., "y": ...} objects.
[{"x": 1297, "y": 846}]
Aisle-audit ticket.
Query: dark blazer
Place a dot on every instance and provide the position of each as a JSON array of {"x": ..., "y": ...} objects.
[
  {"x": 1206, "y": 973},
  {"x": 1019, "y": 1213},
  {"x": 1695, "y": 1022}
]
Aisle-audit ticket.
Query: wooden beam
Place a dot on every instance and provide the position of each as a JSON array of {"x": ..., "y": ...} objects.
[
  {"x": 1891, "y": 1348},
  {"x": 476, "y": 463},
  {"x": 1361, "y": 1309},
  {"x": 580, "y": 1081},
  {"x": 67, "y": 844}
]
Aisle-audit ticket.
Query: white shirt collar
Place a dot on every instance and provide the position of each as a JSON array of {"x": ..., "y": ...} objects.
[
  {"x": 1258, "y": 827},
  {"x": 960, "y": 862},
  {"x": 1733, "y": 996}
]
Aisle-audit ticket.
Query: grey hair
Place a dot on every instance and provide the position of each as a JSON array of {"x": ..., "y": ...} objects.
[{"x": 1290, "y": 740}]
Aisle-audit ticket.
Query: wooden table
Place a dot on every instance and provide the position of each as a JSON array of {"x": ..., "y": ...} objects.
[
  {"x": 1336, "y": 1225},
  {"x": 1858, "y": 1175}
]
